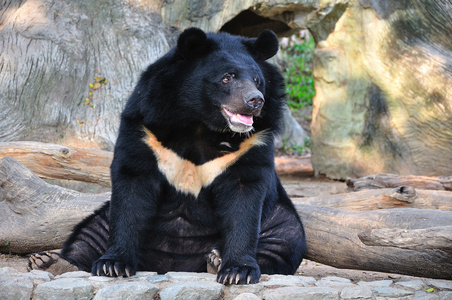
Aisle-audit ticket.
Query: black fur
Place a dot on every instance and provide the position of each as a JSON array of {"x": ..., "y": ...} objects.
[{"x": 244, "y": 211}]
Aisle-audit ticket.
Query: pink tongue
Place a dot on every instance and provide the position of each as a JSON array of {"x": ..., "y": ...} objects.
[{"x": 244, "y": 119}]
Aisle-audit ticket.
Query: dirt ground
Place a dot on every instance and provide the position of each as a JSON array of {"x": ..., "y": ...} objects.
[{"x": 295, "y": 187}]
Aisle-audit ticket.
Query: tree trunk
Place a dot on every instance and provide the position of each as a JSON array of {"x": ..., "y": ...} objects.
[{"x": 37, "y": 216}]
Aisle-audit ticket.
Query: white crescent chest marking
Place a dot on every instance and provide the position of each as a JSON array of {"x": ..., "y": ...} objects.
[{"x": 189, "y": 178}]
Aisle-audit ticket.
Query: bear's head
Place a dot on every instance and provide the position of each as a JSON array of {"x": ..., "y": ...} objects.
[
  {"x": 220, "y": 80},
  {"x": 227, "y": 71}
]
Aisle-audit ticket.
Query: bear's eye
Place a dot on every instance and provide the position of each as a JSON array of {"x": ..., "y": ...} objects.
[
  {"x": 256, "y": 80},
  {"x": 228, "y": 77}
]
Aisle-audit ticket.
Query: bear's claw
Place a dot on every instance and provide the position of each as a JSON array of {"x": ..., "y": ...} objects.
[{"x": 111, "y": 268}]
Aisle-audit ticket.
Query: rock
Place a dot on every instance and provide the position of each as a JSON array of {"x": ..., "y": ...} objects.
[
  {"x": 76, "y": 274},
  {"x": 333, "y": 281},
  {"x": 308, "y": 293},
  {"x": 190, "y": 276},
  {"x": 7, "y": 271},
  {"x": 378, "y": 283},
  {"x": 445, "y": 295},
  {"x": 389, "y": 292},
  {"x": 64, "y": 288},
  {"x": 382, "y": 103},
  {"x": 293, "y": 135},
  {"x": 412, "y": 284},
  {"x": 356, "y": 292},
  {"x": 129, "y": 290},
  {"x": 15, "y": 288},
  {"x": 144, "y": 274},
  {"x": 195, "y": 290},
  {"x": 421, "y": 295},
  {"x": 282, "y": 280},
  {"x": 38, "y": 276},
  {"x": 247, "y": 296},
  {"x": 242, "y": 288},
  {"x": 157, "y": 278},
  {"x": 309, "y": 280},
  {"x": 67, "y": 47},
  {"x": 439, "y": 284}
]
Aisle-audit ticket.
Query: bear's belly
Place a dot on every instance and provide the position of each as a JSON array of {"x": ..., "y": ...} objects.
[
  {"x": 178, "y": 245},
  {"x": 179, "y": 238}
]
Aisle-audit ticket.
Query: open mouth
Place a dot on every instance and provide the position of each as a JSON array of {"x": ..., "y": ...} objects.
[{"x": 238, "y": 122}]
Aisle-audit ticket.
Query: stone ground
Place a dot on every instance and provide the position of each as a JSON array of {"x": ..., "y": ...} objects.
[{"x": 312, "y": 280}]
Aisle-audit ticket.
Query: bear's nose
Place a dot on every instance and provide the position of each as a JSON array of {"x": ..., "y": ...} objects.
[{"x": 255, "y": 100}]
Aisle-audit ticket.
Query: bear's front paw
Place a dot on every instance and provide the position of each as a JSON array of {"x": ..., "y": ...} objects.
[
  {"x": 239, "y": 275},
  {"x": 109, "y": 266}
]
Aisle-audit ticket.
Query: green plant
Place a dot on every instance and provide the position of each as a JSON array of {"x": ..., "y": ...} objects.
[
  {"x": 298, "y": 74},
  {"x": 296, "y": 149}
]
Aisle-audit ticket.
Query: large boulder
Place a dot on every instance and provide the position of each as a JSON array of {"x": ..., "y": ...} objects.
[
  {"x": 67, "y": 67},
  {"x": 384, "y": 90}
]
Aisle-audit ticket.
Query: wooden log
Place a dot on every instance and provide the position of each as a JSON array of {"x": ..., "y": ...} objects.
[
  {"x": 416, "y": 239},
  {"x": 333, "y": 239},
  {"x": 383, "y": 199},
  {"x": 300, "y": 166},
  {"x": 35, "y": 215},
  {"x": 391, "y": 181},
  {"x": 53, "y": 161}
]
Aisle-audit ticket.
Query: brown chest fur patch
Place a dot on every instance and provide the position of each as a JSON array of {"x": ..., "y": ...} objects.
[{"x": 189, "y": 178}]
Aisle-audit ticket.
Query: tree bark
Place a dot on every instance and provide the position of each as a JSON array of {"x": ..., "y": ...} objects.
[
  {"x": 37, "y": 216},
  {"x": 391, "y": 181}
]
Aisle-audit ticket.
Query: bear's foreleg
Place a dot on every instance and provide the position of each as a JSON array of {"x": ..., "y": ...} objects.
[
  {"x": 133, "y": 205},
  {"x": 238, "y": 208}
]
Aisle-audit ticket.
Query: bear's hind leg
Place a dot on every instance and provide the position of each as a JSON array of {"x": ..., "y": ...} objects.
[
  {"x": 88, "y": 240},
  {"x": 50, "y": 262},
  {"x": 281, "y": 243}
]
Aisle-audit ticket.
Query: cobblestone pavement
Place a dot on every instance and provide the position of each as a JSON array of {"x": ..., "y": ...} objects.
[{"x": 182, "y": 285}]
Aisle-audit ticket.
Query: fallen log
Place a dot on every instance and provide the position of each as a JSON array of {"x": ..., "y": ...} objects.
[
  {"x": 37, "y": 216},
  {"x": 391, "y": 181},
  {"x": 383, "y": 199},
  {"x": 416, "y": 239},
  {"x": 299, "y": 166},
  {"x": 53, "y": 161},
  {"x": 333, "y": 238}
]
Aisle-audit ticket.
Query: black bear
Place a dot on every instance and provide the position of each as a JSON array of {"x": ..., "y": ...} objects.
[{"x": 193, "y": 176}]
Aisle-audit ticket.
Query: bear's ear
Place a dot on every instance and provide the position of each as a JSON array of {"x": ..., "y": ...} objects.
[
  {"x": 191, "y": 42},
  {"x": 265, "y": 45}
]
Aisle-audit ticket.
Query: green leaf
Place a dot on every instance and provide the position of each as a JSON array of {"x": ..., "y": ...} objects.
[{"x": 430, "y": 290}]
